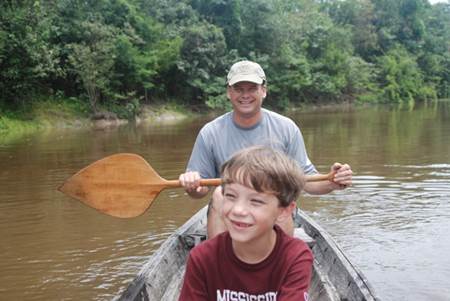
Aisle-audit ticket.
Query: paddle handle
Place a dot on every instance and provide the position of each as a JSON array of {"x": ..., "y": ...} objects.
[
  {"x": 317, "y": 178},
  {"x": 203, "y": 182}
]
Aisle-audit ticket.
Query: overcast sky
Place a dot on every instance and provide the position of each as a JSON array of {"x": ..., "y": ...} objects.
[{"x": 436, "y": 1}]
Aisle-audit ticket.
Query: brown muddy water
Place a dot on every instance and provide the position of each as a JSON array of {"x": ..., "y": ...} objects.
[{"x": 394, "y": 222}]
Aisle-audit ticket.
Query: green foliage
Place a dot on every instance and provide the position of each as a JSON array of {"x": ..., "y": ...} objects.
[
  {"x": 116, "y": 54},
  {"x": 435, "y": 58},
  {"x": 92, "y": 59},
  {"x": 359, "y": 15},
  {"x": 202, "y": 60},
  {"x": 400, "y": 77},
  {"x": 125, "y": 106},
  {"x": 224, "y": 14},
  {"x": 40, "y": 114},
  {"x": 360, "y": 79},
  {"x": 26, "y": 55}
]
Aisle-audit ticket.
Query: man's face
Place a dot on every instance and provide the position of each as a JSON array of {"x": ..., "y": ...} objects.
[{"x": 246, "y": 98}]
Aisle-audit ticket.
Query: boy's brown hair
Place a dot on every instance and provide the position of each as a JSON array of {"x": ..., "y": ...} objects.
[{"x": 265, "y": 170}]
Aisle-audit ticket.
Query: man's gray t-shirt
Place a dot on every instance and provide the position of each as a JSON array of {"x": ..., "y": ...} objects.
[{"x": 219, "y": 139}]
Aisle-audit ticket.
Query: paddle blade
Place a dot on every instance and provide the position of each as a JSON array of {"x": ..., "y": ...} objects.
[{"x": 121, "y": 185}]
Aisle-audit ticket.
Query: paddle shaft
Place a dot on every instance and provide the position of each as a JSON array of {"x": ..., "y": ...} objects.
[
  {"x": 218, "y": 181},
  {"x": 203, "y": 182}
]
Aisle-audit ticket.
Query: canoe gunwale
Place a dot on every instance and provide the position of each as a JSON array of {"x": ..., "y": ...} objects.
[
  {"x": 138, "y": 288},
  {"x": 328, "y": 255}
]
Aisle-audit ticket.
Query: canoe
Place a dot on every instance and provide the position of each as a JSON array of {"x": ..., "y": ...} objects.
[{"x": 334, "y": 276}]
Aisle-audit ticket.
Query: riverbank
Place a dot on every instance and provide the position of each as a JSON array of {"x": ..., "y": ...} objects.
[
  {"x": 53, "y": 114},
  {"x": 73, "y": 114}
]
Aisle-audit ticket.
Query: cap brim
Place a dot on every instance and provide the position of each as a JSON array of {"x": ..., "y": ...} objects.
[{"x": 245, "y": 78}]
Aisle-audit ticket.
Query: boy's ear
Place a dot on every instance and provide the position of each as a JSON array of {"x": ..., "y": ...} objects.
[{"x": 286, "y": 212}]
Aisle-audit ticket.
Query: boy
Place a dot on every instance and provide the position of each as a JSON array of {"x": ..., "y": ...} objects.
[{"x": 254, "y": 259}]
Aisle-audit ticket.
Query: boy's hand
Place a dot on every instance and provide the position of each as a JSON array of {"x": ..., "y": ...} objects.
[{"x": 343, "y": 175}]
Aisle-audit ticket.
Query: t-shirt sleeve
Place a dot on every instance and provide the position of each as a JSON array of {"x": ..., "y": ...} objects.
[
  {"x": 202, "y": 159},
  {"x": 194, "y": 283},
  {"x": 297, "y": 150},
  {"x": 297, "y": 281}
]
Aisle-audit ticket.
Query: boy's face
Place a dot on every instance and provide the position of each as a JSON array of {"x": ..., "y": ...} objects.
[{"x": 250, "y": 215}]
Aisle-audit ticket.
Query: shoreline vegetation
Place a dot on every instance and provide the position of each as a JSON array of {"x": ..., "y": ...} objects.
[
  {"x": 53, "y": 115},
  {"x": 57, "y": 115},
  {"x": 72, "y": 114},
  {"x": 111, "y": 58}
]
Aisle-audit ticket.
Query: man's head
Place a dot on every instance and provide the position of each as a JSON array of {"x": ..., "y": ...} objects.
[
  {"x": 246, "y": 71},
  {"x": 246, "y": 90},
  {"x": 265, "y": 170}
]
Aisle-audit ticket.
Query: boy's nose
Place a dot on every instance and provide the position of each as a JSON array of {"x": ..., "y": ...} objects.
[{"x": 240, "y": 208}]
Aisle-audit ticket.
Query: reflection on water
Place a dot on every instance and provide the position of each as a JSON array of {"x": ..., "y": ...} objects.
[{"x": 392, "y": 223}]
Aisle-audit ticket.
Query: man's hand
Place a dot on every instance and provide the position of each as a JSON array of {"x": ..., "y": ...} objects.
[
  {"x": 191, "y": 183},
  {"x": 343, "y": 175}
]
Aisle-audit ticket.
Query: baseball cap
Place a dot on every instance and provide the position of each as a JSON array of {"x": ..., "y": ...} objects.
[{"x": 246, "y": 71}]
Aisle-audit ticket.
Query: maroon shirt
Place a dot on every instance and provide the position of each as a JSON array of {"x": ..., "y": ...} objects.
[{"x": 213, "y": 272}]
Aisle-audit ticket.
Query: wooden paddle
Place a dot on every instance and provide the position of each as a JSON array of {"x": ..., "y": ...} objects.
[{"x": 125, "y": 185}]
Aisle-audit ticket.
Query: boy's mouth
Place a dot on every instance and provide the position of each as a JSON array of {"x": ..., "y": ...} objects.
[{"x": 240, "y": 224}]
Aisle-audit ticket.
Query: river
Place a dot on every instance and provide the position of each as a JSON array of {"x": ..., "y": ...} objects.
[{"x": 393, "y": 222}]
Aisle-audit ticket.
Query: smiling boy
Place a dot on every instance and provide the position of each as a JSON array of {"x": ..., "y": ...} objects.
[{"x": 254, "y": 259}]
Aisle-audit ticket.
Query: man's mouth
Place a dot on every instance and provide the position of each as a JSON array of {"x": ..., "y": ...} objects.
[{"x": 245, "y": 102}]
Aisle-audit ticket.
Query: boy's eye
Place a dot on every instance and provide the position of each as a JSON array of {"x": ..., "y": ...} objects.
[
  {"x": 229, "y": 196},
  {"x": 257, "y": 202}
]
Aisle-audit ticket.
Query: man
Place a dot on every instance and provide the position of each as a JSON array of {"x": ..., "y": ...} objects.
[{"x": 246, "y": 125}]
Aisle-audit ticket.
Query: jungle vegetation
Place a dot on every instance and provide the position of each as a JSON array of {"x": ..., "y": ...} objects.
[{"x": 118, "y": 54}]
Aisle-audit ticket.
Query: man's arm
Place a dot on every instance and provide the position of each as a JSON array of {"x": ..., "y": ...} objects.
[
  {"x": 200, "y": 166},
  {"x": 342, "y": 179},
  {"x": 297, "y": 150}
]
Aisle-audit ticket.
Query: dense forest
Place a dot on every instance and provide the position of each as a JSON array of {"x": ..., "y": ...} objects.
[{"x": 122, "y": 53}]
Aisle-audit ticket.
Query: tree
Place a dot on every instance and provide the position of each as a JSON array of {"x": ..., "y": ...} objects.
[
  {"x": 434, "y": 60},
  {"x": 27, "y": 59},
  {"x": 224, "y": 14},
  {"x": 202, "y": 60},
  {"x": 400, "y": 77},
  {"x": 93, "y": 58},
  {"x": 360, "y": 16}
]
